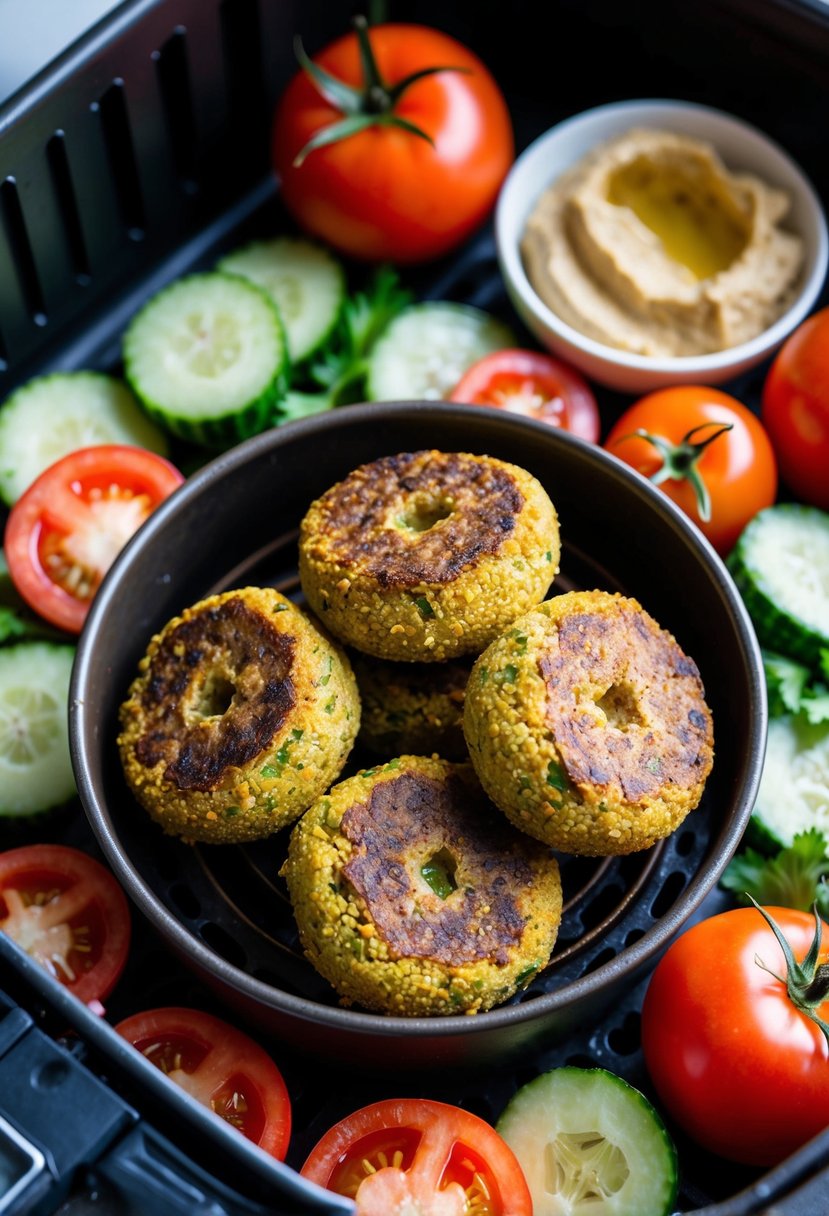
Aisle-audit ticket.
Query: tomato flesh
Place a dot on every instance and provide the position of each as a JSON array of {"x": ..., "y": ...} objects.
[
  {"x": 66, "y": 530},
  {"x": 416, "y": 1155},
  {"x": 68, "y": 913},
  {"x": 220, "y": 1067},
  {"x": 535, "y": 385}
]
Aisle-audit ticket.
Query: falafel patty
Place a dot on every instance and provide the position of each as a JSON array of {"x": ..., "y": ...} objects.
[
  {"x": 428, "y": 555},
  {"x": 414, "y": 897},
  {"x": 415, "y": 708},
  {"x": 587, "y": 725},
  {"x": 241, "y": 714}
]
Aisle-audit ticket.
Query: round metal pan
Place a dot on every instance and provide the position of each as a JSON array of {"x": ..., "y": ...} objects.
[{"x": 224, "y": 910}]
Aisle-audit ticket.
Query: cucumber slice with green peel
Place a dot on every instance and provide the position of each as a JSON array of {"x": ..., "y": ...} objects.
[
  {"x": 207, "y": 357},
  {"x": 53, "y": 415},
  {"x": 35, "y": 766},
  {"x": 426, "y": 349},
  {"x": 590, "y": 1143},
  {"x": 794, "y": 787},
  {"x": 304, "y": 280},
  {"x": 781, "y": 567}
]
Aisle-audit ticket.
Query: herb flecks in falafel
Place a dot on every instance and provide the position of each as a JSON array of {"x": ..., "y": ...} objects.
[
  {"x": 601, "y": 742},
  {"x": 427, "y": 555},
  {"x": 227, "y": 734},
  {"x": 362, "y": 871}
]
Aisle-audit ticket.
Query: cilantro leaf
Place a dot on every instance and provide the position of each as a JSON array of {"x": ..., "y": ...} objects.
[
  {"x": 786, "y": 682},
  {"x": 341, "y": 366},
  {"x": 793, "y": 878}
]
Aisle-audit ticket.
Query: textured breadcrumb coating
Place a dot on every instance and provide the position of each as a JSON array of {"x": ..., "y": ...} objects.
[
  {"x": 428, "y": 555},
  {"x": 242, "y": 713},
  {"x": 588, "y": 727},
  {"x": 374, "y": 927}
]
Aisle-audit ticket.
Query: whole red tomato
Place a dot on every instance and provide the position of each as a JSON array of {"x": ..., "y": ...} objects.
[
  {"x": 699, "y": 444},
  {"x": 796, "y": 410},
  {"x": 382, "y": 191},
  {"x": 732, "y": 1058}
]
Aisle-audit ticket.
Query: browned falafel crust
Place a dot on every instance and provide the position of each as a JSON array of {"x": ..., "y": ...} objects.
[
  {"x": 373, "y": 925},
  {"x": 242, "y": 713},
  {"x": 426, "y": 555},
  {"x": 600, "y": 740},
  {"x": 413, "y": 708}
]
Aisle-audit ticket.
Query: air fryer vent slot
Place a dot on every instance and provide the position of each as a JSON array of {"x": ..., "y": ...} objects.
[
  {"x": 68, "y": 206},
  {"x": 247, "y": 101},
  {"x": 177, "y": 100},
  {"x": 115, "y": 125},
  {"x": 21, "y": 247}
]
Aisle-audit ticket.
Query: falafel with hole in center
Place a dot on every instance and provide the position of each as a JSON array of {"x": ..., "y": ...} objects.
[
  {"x": 414, "y": 897},
  {"x": 242, "y": 713},
  {"x": 425, "y": 556},
  {"x": 588, "y": 727}
]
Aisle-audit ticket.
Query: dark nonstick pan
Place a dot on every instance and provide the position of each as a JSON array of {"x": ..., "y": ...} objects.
[{"x": 224, "y": 910}]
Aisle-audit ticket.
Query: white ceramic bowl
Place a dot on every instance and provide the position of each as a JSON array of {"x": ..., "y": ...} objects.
[{"x": 742, "y": 147}]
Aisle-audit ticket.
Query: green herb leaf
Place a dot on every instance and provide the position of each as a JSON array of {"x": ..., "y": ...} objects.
[
  {"x": 507, "y": 674},
  {"x": 424, "y": 607},
  {"x": 438, "y": 874},
  {"x": 557, "y": 777},
  {"x": 793, "y": 878},
  {"x": 785, "y": 681}
]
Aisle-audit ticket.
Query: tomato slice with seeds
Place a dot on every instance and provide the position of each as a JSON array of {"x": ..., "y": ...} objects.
[
  {"x": 219, "y": 1066},
  {"x": 66, "y": 530},
  {"x": 534, "y": 384},
  {"x": 422, "y": 1157},
  {"x": 69, "y": 913}
]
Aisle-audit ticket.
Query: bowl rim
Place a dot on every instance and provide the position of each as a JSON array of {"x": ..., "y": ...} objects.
[
  {"x": 633, "y": 958},
  {"x": 512, "y": 266}
]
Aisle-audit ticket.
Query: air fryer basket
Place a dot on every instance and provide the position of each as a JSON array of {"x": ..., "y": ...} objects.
[{"x": 140, "y": 154}]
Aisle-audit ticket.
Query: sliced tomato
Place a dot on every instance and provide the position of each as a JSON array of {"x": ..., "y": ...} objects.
[
  {"x": 69, "y": 913},
  {"x": 220, "y": 1066},
  {"x": 533, "y": 384},
  {"x": 422, "y": 1157},
  {"x": 66, "y": 530}
]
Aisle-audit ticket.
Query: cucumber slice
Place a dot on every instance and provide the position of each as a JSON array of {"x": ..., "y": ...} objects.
[
  {"x": 589, "y": 1142},
  {"x": 781, "y": 566},
  {"x": 426, "y": 349},
  {"x": 35, "y": 766},
  {"x": 207, "y": 357},
  {"x": 304, "y": 280},
  {"x": 794, "y": 788},
  {"x": 51, "y": 416}
]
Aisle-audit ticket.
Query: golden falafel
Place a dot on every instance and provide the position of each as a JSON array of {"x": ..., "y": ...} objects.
[
  {"x": 428, "y": 555},
  {"x": 414, "y": 897},
  {"x": 242, "y": 713},
  {"x": 587, "y": 725}
]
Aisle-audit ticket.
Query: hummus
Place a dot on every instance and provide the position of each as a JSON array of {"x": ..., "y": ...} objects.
[{"x": 649, "y": 244}]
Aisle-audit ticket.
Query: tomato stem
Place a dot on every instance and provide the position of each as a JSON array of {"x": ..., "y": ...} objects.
[
  {"x": 807, "y": 983},
  {"x": 680, "y": 460},
  {"x": 371, "y": 104}
]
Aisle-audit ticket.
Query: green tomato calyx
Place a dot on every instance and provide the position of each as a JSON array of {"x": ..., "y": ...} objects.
[
  {"x": 370, "y": 105},
  {"x": 807, "y": 983},
  {"x": 680, "y": 460}
]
